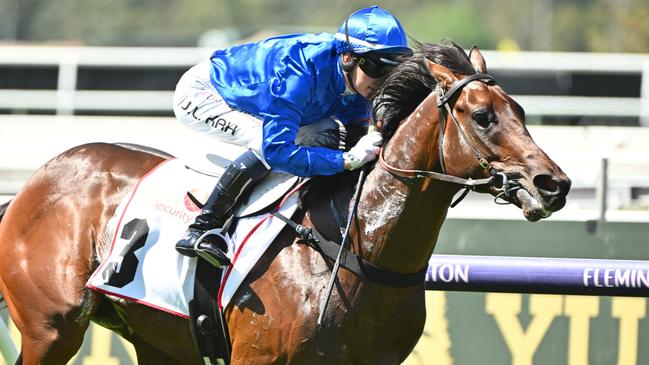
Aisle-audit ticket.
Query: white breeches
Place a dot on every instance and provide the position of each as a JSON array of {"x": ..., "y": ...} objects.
[{"x": 199, "y": 105}]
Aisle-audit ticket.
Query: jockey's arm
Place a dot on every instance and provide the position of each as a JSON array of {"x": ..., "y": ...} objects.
[
  {"x": 290, "y": 91},
  {"x": 282, "y": 154}
]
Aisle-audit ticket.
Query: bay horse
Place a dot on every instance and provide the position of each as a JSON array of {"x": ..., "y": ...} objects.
[{"x": 442, "y": 115}]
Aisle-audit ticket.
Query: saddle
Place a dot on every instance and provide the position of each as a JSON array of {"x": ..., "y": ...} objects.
[
  {"x": 139, "y": 261},
  {"x": 208, "y": 325}
]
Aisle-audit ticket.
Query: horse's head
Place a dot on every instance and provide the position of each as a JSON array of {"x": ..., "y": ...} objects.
[
  {"x": 481, "y": 133},
  {"x": 482, "y": 121}
]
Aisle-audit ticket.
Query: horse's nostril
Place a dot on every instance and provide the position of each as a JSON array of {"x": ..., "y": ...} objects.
[
  {"x": 547, "y": 184},
  {"x": 565, "y": 184}
]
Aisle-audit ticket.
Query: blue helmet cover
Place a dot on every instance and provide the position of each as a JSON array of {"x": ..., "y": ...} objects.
[{"x": 372, "y": 29}]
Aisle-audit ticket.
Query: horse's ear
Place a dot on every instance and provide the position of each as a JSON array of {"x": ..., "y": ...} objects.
[
  {"x": 442, "y": 75},
  {"x": 477, "y": 60}
]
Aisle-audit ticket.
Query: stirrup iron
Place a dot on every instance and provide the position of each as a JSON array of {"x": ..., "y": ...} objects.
[{"x": 214, "y": 259}]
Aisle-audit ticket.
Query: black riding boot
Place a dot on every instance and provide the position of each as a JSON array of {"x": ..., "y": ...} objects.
[{"x": 237, "y": 178}]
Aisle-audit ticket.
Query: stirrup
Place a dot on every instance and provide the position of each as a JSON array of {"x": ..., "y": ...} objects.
[{"x": 218, "y": 260}]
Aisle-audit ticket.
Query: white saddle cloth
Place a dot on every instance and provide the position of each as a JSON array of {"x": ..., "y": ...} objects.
[{"x": 143, "y": 265}]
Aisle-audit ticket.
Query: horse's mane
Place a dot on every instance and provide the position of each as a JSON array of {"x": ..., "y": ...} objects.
[
  {"x": 411, "y": 82},
  {"x": 398, "y": 96}
]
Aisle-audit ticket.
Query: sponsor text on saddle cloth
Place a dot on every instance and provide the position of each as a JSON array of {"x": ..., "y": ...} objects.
[{"x": 143, "y": 265}]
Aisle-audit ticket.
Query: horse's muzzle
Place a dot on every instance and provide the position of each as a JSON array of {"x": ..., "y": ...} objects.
[{"x": 552, "y": 190}]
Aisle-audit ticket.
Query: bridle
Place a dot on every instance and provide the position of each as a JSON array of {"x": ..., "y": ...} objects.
[{"x": 496, "y": 179}]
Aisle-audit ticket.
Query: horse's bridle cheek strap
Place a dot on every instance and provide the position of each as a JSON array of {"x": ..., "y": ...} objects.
[
  {"x": 443, "y": 104},
  {"x": 440, "y": 137},
  {"x": 444, "y": 107}
]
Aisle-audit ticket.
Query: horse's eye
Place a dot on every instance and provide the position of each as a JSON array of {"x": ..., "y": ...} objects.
[{"x": 483, "y": 118}]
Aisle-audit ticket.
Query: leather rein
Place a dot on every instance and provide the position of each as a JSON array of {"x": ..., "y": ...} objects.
[{"x": 496, "y": 179}]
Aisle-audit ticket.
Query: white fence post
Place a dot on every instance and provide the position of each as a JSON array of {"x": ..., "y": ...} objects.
[
  {"x": 644, "y": 95},
  {"x": 602, "y": 190},
  {"x": 67, "y": 84}
]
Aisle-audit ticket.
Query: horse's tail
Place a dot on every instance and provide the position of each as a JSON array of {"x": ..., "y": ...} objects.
[{"x": 3, "y": 209}]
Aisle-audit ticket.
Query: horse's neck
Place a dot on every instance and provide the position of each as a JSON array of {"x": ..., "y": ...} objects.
[{"x": 401, "y": 219}]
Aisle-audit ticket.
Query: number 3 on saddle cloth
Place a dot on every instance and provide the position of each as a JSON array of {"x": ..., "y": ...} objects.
[{"x": 139, "y": 262}]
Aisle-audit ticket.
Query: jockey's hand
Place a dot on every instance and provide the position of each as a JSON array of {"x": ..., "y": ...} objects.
[{"x": 365, "y": 150}]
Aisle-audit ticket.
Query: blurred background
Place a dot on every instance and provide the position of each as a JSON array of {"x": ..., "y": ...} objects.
[
  {"x": 76, "y": 71},
  {"x": 541, "y": 25}
]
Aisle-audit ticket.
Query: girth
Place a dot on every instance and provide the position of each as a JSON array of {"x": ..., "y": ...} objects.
[
  {"x": 363, "y": 268},
  {"x": 349, "y": 260}
]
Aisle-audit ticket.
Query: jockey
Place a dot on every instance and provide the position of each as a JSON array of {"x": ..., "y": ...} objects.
[{"x": 259, "y": 95}]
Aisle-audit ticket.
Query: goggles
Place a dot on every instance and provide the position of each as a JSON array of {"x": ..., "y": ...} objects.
[{"x": 375, "y": 66}]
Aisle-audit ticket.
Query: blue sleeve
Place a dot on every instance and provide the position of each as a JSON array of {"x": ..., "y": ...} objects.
[
  {"x": 290, "y": 90},
  {"x": 356, "y": 109}
]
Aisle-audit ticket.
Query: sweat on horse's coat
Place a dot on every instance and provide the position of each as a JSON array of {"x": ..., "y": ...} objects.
[{"x": 49, "y": 233}]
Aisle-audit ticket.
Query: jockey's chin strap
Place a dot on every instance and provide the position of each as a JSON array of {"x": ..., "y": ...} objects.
[{"x": 496, "y": 179}]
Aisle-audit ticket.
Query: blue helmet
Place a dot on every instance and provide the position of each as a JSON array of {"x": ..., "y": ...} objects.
[{"x": 371, "y": 29}]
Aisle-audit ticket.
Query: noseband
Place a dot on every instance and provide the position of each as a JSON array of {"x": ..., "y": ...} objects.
[{"x": 497, "y": 180}]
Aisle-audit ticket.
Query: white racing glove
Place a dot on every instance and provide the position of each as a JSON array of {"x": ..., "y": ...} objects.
[{"x": 365, "y": 150}]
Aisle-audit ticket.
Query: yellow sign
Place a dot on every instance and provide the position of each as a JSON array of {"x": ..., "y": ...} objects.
[{"x": 520, "y": 340}]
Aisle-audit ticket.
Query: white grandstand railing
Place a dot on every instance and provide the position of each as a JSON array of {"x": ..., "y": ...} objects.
[
  {"x": 83, "y": 100},
  {"x": 32, "y": 139},
  {"x": 86, "y": 100},
  {"x": 622, "y": 63},
  {"x": 102, "y": 56},
  {"x": 66, "y": 98}
]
